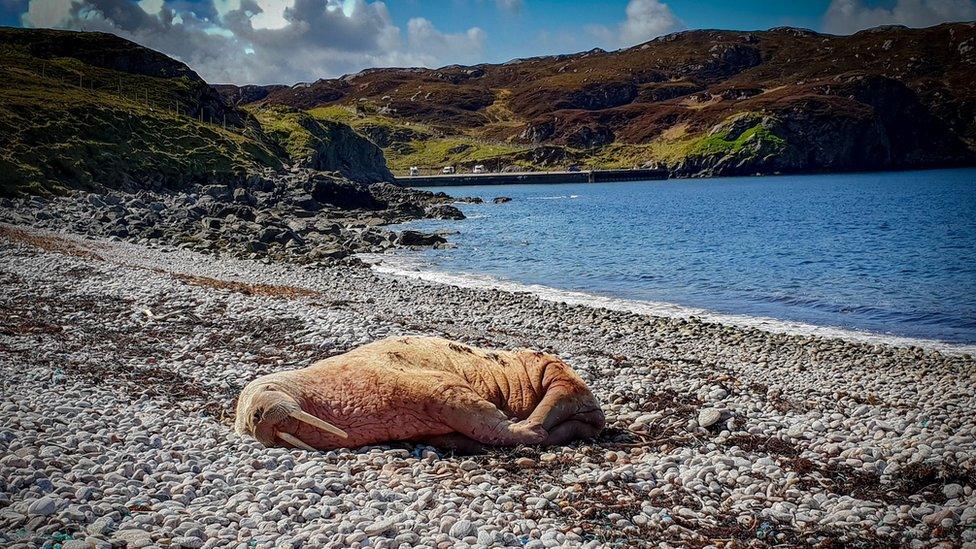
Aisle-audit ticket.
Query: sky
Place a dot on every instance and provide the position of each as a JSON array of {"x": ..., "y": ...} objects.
[{"x": 290, "y": 41}]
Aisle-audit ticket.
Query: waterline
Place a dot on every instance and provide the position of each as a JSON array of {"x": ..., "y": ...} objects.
[{"x": 402, "y": 265}]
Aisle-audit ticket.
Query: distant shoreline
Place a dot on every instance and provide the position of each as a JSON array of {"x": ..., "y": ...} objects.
[
  {"x": 410, "y": 181},
  {"x": 530, "y": 178}
]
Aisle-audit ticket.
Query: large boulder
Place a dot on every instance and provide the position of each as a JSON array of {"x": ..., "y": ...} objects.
[
  {"x": 344, "y": 194},
  {"x": 417, "y": 238},
  {"x": 443, "y": 211}
]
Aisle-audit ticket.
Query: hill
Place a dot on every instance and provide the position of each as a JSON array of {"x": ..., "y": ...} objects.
[
  {"x": 94, "y": 111},
  {"x": 699, "y": 102}
]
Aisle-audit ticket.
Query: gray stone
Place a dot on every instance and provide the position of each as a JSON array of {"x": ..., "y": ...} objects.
[
  {"x": 42, "y": 507},
  {"x": 709, "y": 416},
  {"x": 101, "y": 526},
  {"x": 133, "y": 538},
  {"x": 462, "y": 529}
]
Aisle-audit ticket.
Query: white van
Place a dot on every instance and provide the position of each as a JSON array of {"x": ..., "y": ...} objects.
[
  {"x": 447, "y": 170},
  {"x": 478, "y": 168}
]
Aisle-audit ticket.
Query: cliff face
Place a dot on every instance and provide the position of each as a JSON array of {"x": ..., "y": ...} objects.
[
  {"x": 889, "y": 97},
  {"x": 324, "y": 145},
  {"x": 94, "y": 111}
]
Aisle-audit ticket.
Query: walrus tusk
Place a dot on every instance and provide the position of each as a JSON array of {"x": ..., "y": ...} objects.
[
  {"x": 306, "y": 417},
  {"x": 294, "y": 441}
]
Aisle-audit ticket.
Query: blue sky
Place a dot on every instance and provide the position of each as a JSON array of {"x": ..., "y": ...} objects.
[
  {"x": 265, "y": 41},
  {"x": 516, "y": 33}
]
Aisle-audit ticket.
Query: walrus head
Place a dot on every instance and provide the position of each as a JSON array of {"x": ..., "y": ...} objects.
[{"x": 265, "y": 404}]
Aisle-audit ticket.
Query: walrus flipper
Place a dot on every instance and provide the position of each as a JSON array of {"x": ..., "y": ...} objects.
[
  {"x": 567, "y": 410},
  {"x": 468, "y": 413}
]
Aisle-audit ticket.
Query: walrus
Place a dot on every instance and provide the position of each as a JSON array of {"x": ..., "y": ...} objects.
[{"x": 425, "y": 390}]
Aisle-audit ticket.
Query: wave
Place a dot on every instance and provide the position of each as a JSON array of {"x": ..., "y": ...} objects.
[
  {"x": 558, "y": 197},
  {"x": 399, "y": 265}
]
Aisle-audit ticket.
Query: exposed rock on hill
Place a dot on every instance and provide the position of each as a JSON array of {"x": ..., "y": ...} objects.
[
  {"x": 242, "y": 95},
  {"x": 324, "y": 145}
]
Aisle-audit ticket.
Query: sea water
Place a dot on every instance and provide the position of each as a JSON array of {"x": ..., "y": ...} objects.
[{"x": 889, "y": 253}]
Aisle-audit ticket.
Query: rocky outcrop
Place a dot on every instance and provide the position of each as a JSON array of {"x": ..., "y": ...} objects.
[
  {"x": 344, "y": 194},
  {"x": 303, "y": 216},
  {"x": 600, "y": 95},
  {"x": 345, "y": 151},
  {"x": 242, "y": 95},
  {"x": 324, "y": 145},
  {"x": 866, "y": 124}
]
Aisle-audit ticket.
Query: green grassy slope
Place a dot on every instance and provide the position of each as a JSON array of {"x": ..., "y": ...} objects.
[
  {"x": 68, "y": 124},
  {"x": 93, "y": 111}
]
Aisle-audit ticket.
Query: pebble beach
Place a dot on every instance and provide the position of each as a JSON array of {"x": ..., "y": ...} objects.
[{"x": 121, "y": 363}]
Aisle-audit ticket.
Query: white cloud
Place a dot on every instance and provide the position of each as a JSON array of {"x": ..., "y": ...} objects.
[
  {"x": 152, "y": 7},
  {"x": 646, "y": 19},
  {"x": 849, "y": 16},
  {"x": 272, "y": 15},
  {"x": 423, "y": 38},
  {"x": 509, "y": 5},
  {"x": 266, "y": 41},
  {"x": 47, "y": 13},
  {"x": 224, "y": 7}
]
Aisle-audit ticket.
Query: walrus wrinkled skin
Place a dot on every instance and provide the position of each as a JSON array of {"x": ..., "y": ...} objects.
[{"x": 421, "y": 389}]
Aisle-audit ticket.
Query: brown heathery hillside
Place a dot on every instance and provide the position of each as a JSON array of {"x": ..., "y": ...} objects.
[{"x": 701, "y": 102}]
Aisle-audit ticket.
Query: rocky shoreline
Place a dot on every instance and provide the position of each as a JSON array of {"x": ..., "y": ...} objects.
[
  {"x": 303, "y": 216},
  {"x": 121, "y": 362}
]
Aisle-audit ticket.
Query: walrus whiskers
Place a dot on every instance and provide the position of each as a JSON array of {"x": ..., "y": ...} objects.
[
  {"x": 308, "y": 418},
  {"x": 294, "y": 441}
]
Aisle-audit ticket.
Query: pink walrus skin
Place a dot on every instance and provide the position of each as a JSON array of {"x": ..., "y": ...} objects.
[{"x": 421, "y": 389}]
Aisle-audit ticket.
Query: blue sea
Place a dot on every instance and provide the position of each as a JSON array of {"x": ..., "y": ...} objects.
[{"x": 889, "y": 253}]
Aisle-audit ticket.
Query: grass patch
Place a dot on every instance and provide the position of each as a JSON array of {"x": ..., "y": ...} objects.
[
  {"x": 337, "y": 113},
  {"x": 450, "y": 151},
  {"x": 297, "y": 132},
  {"x": 721, "y": 144},
  {"x": 742, "y": 134}
]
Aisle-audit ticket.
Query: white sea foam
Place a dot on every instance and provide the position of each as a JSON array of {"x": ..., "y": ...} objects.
[{"x": 398, "y": 265}]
